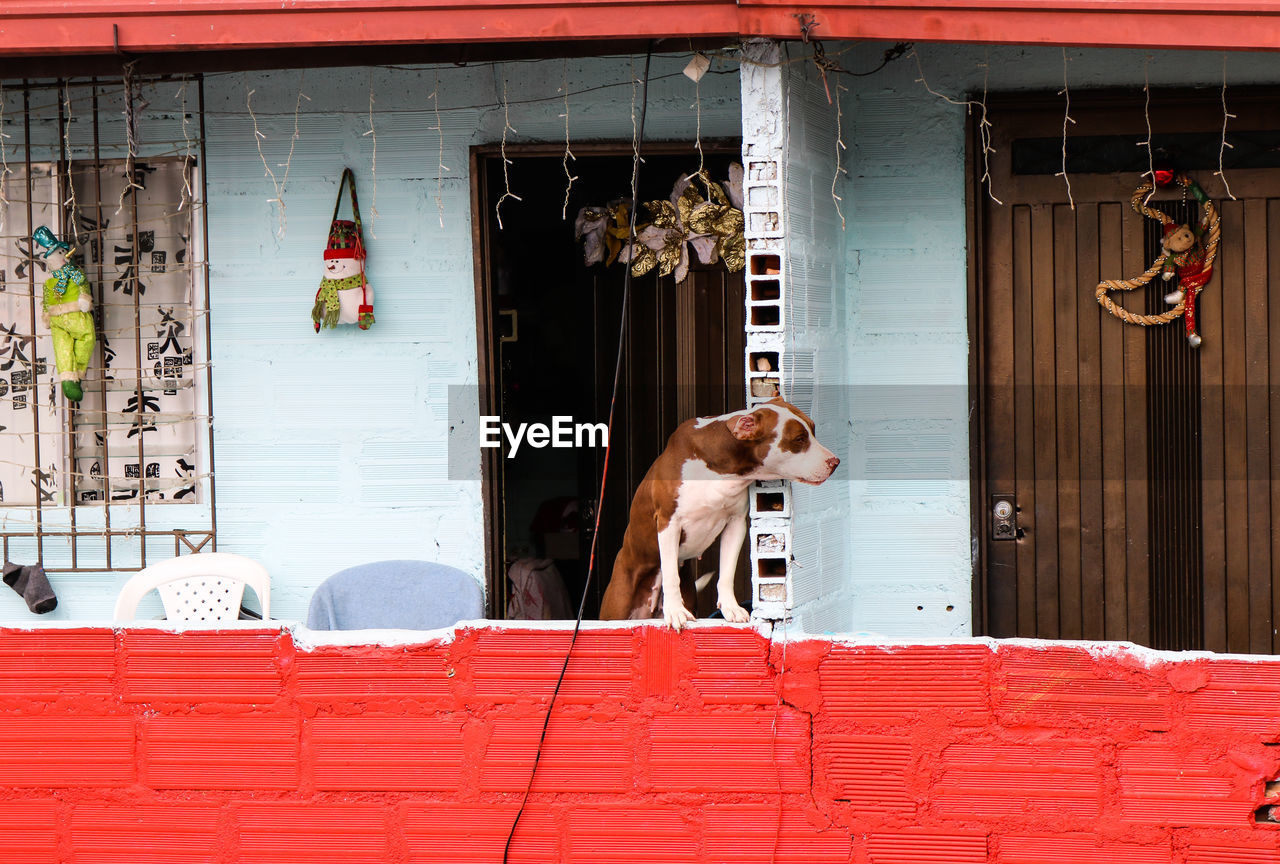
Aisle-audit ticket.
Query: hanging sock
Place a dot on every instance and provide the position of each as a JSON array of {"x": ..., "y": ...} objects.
[{"x": 30, "y": 582}]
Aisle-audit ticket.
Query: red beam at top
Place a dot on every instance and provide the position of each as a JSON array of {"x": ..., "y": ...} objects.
[
  {"x": 47, "y": 27},
  {"x": 1207, "y": 24}
]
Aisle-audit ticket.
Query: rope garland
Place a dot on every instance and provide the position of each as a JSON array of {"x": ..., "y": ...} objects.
[{"x": 1211, "y": 222}]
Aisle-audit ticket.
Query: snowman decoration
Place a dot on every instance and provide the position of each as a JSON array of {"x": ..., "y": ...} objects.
[{"x": 344, "y": 296}]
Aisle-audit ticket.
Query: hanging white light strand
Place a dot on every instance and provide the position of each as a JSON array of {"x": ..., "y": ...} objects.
[
  {"x": 968, "y": 104},
  {"x": 4, "y": 162},
  {"x": 293, "y": 142},
  {"x": 373, "y": 167},
  {"x": 258, "y": 136},
  {"x": 187, "y": 195},
  {"x": 840, "y": 148},
  {"x": 66, "y": 144},
  {"x": 635, "y": 135},
  {"x": 568, "y": 154},
  {"x": 277, "y": 184},
  {"x": 439, "y": 130},
  {"x": 1146, "y": 113},
  {"x": 1066, "y": 119},
  {"x": 506, "y": 179},
  {"x": 697, "y": 139},
  {"x": 984, "y": 129},
  {"x": 1222, "y": 148},
  {"x": 131, "y": 133}
]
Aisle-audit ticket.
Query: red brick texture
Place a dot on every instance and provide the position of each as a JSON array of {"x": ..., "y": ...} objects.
[{"x": 705, "y": 747}]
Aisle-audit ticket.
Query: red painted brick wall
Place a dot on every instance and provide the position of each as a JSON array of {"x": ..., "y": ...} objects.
[{"x": 710, "y": 746}]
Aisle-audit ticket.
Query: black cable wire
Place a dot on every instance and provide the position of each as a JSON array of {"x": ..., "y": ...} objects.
[
  {"x": 889, "y": 56},
  {"x": 613, "y": 401}
]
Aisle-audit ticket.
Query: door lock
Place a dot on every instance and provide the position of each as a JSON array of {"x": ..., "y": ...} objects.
[{"x": 1004, "y": 518}]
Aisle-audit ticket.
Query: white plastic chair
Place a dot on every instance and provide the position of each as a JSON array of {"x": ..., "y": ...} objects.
[{"x": 206, "y": 587}]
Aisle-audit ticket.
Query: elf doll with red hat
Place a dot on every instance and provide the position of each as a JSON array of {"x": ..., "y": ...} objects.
[
  {"x": 1184, "y": 256},
  {"x": 1188, "y": 251},
  {"x": 344, "y": 296}
]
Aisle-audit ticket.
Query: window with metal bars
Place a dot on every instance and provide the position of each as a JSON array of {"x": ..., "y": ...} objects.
[{"x": 114, "y": 169}]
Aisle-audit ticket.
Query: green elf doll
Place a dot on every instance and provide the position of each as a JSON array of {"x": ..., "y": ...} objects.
[{"x": 68, "y": 312}]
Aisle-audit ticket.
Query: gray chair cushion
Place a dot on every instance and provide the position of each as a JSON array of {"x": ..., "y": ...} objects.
[{"x": 404, "y": 595}]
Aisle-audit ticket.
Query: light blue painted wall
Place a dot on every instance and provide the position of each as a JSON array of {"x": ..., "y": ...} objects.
[
  {"x": 816, "y": 360},
  {"x": 908, "y": 334},
  {"x": 331, "y": 448}
]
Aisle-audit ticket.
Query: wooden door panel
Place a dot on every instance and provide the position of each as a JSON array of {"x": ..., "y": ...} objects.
[
  {"x": 1115, "y": 598},
  {"x": 1145, "y": 472},
  {"x": 1234, "y": 430},
  {"x": 1133, "y": 464},
  {"x": 1044, "y": 420},
  {"x": 1254, "y": 348},
  {"x": 1272, "y": 395},
  {"x": 682, "y": 358},
  {"x": 1022, "y": 426},
  {"x": 1066, "y": 392},
  {"x": 1089, "y": 411},
  {"x": 1213, "y": 460},
  {"x": 998, "y": 398},
  {"x": 711, "y": 335}
]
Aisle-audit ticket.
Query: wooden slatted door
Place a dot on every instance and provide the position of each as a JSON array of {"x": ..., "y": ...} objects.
[
  {"x": 1143, "y": 473},
  {"x": 682, "y": 359}
]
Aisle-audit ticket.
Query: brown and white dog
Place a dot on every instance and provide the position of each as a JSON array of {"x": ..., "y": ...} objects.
[{"x": 696, "y": 491}]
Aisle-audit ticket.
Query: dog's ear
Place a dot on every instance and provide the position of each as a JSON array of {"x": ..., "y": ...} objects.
[{"x": 745, "y": 427}]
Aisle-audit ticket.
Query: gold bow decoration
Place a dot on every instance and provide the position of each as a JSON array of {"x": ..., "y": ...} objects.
[
  {"x": 615, "y": 236},
  {"x": 716, "y": 219},
  {"x": 602, "y": 231},
  {"x": 661, "y": 243},
  {"x": 588, "y": 229},
  {"x": 712, "y": 225}
]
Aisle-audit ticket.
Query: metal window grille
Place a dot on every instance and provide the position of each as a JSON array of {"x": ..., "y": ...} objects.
[{"x": 114, "y": 167}]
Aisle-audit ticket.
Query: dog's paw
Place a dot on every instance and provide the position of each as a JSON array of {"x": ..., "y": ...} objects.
[
  {"x": 735, "y": 613},
  {"x": 676, "y": 616}
]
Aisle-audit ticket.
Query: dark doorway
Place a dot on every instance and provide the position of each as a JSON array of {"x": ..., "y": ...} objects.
[{"x": 548, "y": 345}]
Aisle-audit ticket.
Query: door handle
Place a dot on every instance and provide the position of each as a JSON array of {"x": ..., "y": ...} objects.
[
  {"x": 1004, "y": 518},
  {"x": 515, "y": 325}
]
